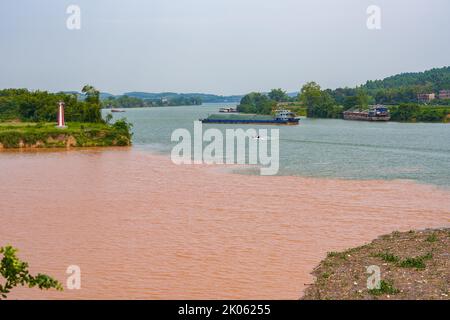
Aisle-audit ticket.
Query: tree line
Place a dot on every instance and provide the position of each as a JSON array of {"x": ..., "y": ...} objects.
[
  {"x": 398, "y": 92},
  {"x": 41, "y": 106},
  {"x": 125, "y": 101}
]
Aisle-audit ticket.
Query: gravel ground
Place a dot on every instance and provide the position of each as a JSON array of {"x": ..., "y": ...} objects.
[{"x": 414, "y": 265}]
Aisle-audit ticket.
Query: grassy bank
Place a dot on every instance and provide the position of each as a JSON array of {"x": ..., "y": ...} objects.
[
  {"x": 46, "y": 135},
  {"x": 411, "y": 112},
  {"x": 414, "y": 265}
]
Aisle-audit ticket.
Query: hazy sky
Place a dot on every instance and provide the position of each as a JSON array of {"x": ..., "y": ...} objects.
[{"x": 217, "y": 46}]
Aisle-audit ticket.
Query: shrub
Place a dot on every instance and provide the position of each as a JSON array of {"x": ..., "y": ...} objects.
[
  {"x": 15, "y": 272},
  {"x": 386, "y": 287},
  {"x": 416, "y": 262},
  {"x": 388, "y": 257}
]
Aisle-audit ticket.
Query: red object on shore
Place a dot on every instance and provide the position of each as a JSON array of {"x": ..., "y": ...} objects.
[{"x": 61, "y": 123}]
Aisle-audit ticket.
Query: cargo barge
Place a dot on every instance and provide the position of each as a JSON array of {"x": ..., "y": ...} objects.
[
  {"x": 375, "y": 113},
  {"x": 228, "y": 110},
  {"x": 282, "y": 117}
]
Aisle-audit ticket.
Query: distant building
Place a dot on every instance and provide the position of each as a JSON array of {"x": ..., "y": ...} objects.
[
  {"x": 426, "y": 97},
  {"x": 444, "y": 94}
]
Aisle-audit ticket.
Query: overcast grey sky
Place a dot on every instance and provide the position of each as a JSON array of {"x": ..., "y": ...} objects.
[{"x": 217, "y": 46}]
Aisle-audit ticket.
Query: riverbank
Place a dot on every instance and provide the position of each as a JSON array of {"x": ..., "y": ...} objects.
[
  {"x": 136, "y": 221},
  {"x": 15, "y": 135},
  {"x": 414, "y": 265}
]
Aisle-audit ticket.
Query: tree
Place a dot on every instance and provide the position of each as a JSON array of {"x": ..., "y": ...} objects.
[
  {"x": 15, "y": 272},
  {"x": 310, "y": 94},
  {"x": 92, "y": 94},
  {"x": 92, "y": 109},
  {"x": 362, "y": 99},
  {"x": 256, "y": 102},
  {"x": 318, "y": 103},
  {"x": 432, "y": 115},
  {"x": 278, "y": 95},
  {"x": 350, "y": 102},
  {"x": 42, "y": 106},
  {"x": 405, "y": 112}
]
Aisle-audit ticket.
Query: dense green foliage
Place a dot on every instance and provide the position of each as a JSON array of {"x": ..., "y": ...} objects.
[
  {"x": 441, "y": 102},
  {"x": 413, "y": 112},
  {"x": 319, "y": 103},
  {"x": 15, "y": 272},
  {"x": 261, "y": 103},
  {"x": 125, "y": 101},
  {"x": 24, "y": 105},
  {"x": 256, "y": 102},
  {"x": 180, "y": 101},
  {"x": 133, "y": 102},
  {"x": 434, "y": 80},
  {"x": 278, "y": 95},
  {"x": 401, "y": 88},
  {"x": 398, "y": 92}
]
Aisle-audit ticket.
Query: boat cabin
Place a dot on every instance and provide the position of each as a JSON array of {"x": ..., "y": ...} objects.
[{"x": 284, "y": 115}]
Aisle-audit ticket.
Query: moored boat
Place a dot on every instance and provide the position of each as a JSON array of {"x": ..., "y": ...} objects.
[
  {"x": 117, "y": 110},
  {"x": 228, "y": 110},
  {"x": 375, "y": 113}
]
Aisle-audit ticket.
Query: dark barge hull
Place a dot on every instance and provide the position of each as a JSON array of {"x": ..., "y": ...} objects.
[
  {"x": 366, "y": 118},
  {"x": 235, "y": 121}
]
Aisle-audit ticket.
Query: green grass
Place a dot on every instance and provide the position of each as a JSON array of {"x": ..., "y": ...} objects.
[
  {"x": 386, "y": 287},
  {"x": 413, "y": 262},
  {"x": 416, "y": 262},
  {"x": 13, "y": 134},
  {"x": 388, "y": 257},
  {"x": 432, "y": 238}
]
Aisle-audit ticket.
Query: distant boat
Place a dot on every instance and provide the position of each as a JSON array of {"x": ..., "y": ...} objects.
[
  {"x": 117, "y": 110},
  {"x": 375, "y": 113},
  {"x": 282, "y": 117},
  {"x": 228, "y": 110}
]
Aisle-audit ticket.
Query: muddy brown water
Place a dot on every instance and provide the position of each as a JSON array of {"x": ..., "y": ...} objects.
[{"x": 140, "y": 227}]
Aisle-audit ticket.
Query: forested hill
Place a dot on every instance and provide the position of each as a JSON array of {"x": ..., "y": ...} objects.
[
  {"x": 173, "y": 96},
  {"x": 400, "y": 92},
  {"x": 432, "y": 80}
]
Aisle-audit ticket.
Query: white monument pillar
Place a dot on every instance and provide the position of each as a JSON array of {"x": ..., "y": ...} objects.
[{"x": 61, "y": 123}]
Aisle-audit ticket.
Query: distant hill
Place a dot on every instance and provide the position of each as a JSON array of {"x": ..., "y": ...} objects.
[
  {"x": 206, "y": 98},
  {"x": 400, "y": 88},
  {"x": 103, "y": 95},
  {"x": 435, "y": 79}
]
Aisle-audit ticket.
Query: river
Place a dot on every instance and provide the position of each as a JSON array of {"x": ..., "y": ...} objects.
[{"x": 141, "y": 227}]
